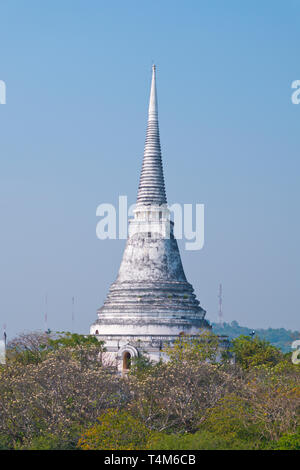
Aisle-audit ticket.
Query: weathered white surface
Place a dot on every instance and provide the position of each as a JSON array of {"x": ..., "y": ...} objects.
[
  {"x": 150, "y": 329},
  {"x": 152, "y": 259}
]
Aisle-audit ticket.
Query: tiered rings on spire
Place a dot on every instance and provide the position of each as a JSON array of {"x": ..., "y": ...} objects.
[{"x": 152, "y": 186}]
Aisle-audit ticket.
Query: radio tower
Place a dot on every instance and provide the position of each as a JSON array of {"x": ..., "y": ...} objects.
[
  {"x": 73, "y": 315},
  {"x": 220, "y": 306},
  {"x": 4, "y": 333},
  {"x": 46, "y": 313}
]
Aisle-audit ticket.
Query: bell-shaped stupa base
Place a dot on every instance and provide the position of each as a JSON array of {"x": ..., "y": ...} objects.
[
  {"x": 151, "y": 294},
  {"x": 149, "y": 305}
]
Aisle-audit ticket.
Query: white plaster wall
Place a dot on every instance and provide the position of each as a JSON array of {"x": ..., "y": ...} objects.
[{"x": 146, "y": 329}]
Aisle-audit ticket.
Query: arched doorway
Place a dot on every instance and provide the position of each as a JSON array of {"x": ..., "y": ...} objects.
[{"x": 126, "y": 360}]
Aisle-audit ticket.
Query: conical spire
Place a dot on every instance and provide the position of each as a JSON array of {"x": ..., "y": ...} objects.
[{"x": 152, "y": 186}]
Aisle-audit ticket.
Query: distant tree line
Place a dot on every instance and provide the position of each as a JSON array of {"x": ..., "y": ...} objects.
[{"x": 278, "y": 337}]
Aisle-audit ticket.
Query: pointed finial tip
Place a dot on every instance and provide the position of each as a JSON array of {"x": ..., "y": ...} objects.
[{"x": 153, "y": 67}]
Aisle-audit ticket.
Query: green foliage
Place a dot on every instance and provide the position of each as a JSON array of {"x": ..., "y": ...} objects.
[
  {"x": 251, "y": 352},
  {"x": 141, "y": 365},
  {"x": 47, "y": 441},
  {"x": 116, "y": 430},
  {"x": 200, "y": 348},
  {"x": 5, "y": 442},
  {"x": 289, "y": 442},
  {"x": 231, "y": 424},
  {"x": 232, "y": 419},
  {"x": 84, "y": 347},
  {"x": 65, "y": 339},
  {"x": 201, "y": 440}
]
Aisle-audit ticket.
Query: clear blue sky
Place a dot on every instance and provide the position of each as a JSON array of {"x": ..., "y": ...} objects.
[{"x": 72, "y": 136}]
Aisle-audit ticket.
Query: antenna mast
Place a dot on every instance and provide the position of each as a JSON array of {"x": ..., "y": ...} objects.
[
  {"x": 46, "y": 313},
  {"x": 4, "y": 333},
  {"x": 73, "y": 315},
  {"x": 220, "y": 305}
]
